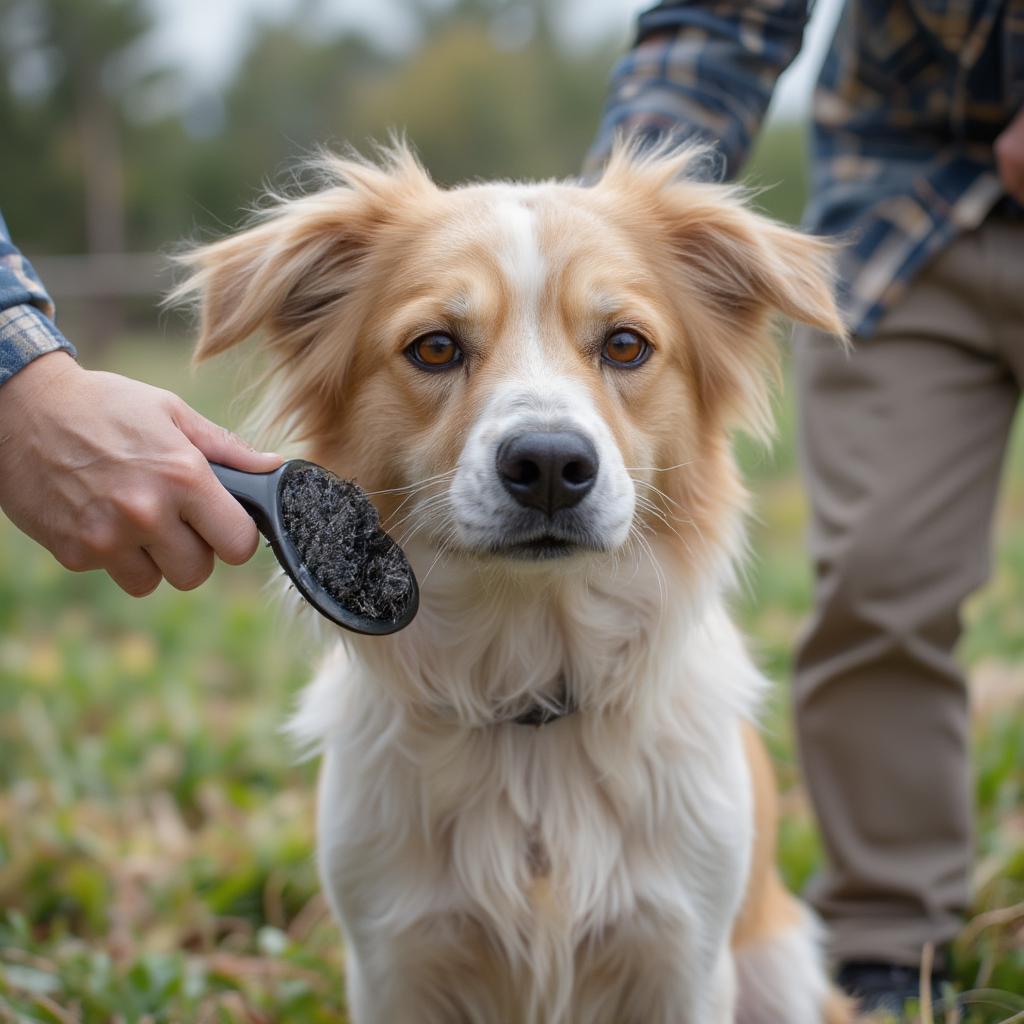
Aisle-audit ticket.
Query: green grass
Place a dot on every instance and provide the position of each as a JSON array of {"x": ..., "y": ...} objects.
[{"x": 156, "y": 836}]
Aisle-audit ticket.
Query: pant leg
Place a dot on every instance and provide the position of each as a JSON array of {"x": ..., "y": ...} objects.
[
  {"x": 902, "y": 443},
  {"x": 1004, "y": 252}
]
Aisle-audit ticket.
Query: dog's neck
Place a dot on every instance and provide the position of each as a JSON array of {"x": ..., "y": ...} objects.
[
  {"x": 490, "y": 646},
  {"x": 622, "y": 646}
]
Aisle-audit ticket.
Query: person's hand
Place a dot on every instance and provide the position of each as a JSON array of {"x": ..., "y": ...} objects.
[
  {"x": 109, "y": 473},
  {"x": 1009, "y": 149}
]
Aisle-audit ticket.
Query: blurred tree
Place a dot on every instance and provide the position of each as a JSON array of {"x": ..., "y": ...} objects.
[
  {"x": 40, "y": 185},
  {"x": 102, "y": 149},
  {"x": 75, "y": 64},
  {"x": 491, "y": 93},
  {"x": 486, "y": 91},
  {"x": 291, "y": 94}
]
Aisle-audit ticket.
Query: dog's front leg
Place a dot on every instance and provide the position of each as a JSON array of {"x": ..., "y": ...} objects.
[
  {"x": 660, "y": 972},
  {"x": 723, "y": 990},
  {"x": 421, "y": 978},
  {"x": 383, "y": 996},
  {"x": 669, "y": 994},
  {"x": 383, "y": 989}
]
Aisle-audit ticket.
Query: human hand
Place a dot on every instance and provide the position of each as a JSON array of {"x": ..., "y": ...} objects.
[
  {"x": 1009, "y": 148},
  {"x": 109, "y": 473}
]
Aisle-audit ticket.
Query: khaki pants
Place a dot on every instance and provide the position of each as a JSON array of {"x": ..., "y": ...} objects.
[{"x": 902, "y": 444}]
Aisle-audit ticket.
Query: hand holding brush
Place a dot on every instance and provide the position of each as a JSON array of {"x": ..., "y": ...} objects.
[{"x": 110, "y": 473}]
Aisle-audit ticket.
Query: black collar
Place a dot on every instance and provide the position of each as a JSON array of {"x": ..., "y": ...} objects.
[{"x": 537, "y": 714}]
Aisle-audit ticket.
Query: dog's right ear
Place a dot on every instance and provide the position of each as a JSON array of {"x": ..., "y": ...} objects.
[{"x": 285, "y": 275}]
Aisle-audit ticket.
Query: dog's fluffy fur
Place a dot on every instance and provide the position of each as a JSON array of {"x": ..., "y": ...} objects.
[{"x": 615, "y": 866}]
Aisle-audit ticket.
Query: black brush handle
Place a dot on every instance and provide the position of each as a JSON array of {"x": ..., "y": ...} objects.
[{"x": 256, "y": 492}]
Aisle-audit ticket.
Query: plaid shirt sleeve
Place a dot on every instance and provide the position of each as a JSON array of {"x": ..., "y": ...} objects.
[
  {"x": 701, "y": 70},
  {"x": 27, "y": 329}
]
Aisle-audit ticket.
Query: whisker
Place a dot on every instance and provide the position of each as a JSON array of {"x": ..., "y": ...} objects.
[
  {"x": 659, "y": 469},
  {"x": 657, "y": 490},
  {"x": 426, "y": 575},
  {"x": 634, "y": 535},
  {"x": 415, "y": 484},
  {"x": 434, "y": 504},
  {"x": 409, "y": 497},
  {"x": 660, "y": 576},
  {"x": 661, "y": 517},
  {"x": 443, "y": 549},
  {"x": 416, "y": 527},
  {"x": 427, "y": 505},
  {"x": 648, "y": 505}
]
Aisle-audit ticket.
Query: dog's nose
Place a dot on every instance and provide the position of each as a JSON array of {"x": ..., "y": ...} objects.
[{"x": 547, "y": 470}]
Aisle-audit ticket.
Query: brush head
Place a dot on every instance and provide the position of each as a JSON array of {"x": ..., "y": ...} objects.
[
  {"x": 326, "y": 534},
  {"x": 337, "y": 535}
]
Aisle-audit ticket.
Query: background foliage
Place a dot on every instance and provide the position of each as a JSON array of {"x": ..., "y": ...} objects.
[{"x": 155, "y": 833}]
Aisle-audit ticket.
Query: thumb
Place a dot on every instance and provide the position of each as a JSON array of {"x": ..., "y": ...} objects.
[{"x": 219, "y": 444}]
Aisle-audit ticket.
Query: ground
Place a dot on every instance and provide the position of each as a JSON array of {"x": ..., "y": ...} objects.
[{"x": 156, "y": 832}]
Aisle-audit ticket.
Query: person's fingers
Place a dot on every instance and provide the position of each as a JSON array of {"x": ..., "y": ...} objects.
[
  {"x": 182, "y": 556},
  {"x": 219, "y": 519},
  {"x": 1011, "y": 171},
  {"x": 1009, "y": 150},
  {"x": 134, "y": 572},
  {"x": 219, "y": 444}
]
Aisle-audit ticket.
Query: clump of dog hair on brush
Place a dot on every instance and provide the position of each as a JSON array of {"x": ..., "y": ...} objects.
[{"x": 336, "y": 531}]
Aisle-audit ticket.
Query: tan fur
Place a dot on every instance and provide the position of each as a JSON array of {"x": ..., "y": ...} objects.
[
  {"x": 768, "y": 906},
  {"x": 841, "y": 1010},
  {"x": 769, "y": 909}
]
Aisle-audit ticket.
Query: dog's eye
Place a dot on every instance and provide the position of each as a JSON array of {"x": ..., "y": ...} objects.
[
  {"x": 436, "y": 351},
  {"x": 625, "y": 349}
]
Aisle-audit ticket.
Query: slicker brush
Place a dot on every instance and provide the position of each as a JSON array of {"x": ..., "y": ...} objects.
[{"x": 327, "y": 536}]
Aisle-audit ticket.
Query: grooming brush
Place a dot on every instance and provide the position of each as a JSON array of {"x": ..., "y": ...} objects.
[{"x": 326, "y": 534}]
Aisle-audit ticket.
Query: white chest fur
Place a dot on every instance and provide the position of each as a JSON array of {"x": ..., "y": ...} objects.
[{"x": 586, "y": 870}]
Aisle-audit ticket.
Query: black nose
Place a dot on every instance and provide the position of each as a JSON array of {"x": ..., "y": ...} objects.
[{"x": 547, "y": 470}]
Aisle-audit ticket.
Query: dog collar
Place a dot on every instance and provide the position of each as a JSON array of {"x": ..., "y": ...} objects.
[{"x": 538, "y": 714}]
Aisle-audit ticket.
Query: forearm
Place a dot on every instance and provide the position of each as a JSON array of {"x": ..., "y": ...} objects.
[
  {"x": 27, "y": 330},
  {"x": 701, "y": 71}
]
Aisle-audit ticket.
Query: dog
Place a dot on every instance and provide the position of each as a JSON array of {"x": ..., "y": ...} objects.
[{"x": 545, "y": 801}]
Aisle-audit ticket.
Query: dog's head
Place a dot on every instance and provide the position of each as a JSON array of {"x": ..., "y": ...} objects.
[{"x": 522, "y": 373}]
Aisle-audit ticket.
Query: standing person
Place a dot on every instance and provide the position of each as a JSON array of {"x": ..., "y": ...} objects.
[
  {"x": 918, "y": 163},
  {"x": 103, "y": 471}
]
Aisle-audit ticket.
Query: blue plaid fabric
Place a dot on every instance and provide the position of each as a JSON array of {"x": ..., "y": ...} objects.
[
  {"x": 910, "y": 100},
  {"x": 27, "y": 329}
]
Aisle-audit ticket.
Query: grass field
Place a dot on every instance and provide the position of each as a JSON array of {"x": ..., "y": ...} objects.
[{"x": 156, "y": 835}]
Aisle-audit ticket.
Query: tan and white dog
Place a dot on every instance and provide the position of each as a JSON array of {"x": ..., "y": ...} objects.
[{"x": 544, "y": 801}]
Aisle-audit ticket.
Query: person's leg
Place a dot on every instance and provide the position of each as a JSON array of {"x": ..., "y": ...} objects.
[
  {"x": 1004, "y": 252},
  {"x": 901, "y": 444}
]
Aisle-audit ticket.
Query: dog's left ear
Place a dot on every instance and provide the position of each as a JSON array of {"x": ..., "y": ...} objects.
[
  {"x": 747, "y": 265},
  {"x": 729, "y": 271},
  {"x": 742, "y": 271}
]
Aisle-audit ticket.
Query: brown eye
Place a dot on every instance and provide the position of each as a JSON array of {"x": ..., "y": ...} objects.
[
  {"x": 625, "y": 349},
  {"x": 437, "y": 351}
]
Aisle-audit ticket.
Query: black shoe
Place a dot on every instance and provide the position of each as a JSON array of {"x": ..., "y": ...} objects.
[{"x": 886, "y": 987}]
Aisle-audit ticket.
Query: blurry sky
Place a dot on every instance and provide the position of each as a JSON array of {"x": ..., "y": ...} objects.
[{"x": 207, "y": 36}]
